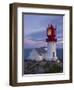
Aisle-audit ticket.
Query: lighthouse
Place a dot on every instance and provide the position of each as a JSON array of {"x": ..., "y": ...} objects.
[{"x": 51, "y": 43}]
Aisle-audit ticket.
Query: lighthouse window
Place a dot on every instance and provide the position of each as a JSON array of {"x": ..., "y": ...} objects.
[{"x": 49, "y": 32}]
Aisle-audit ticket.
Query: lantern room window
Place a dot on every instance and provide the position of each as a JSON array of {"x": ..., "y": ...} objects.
[{"x": 49, "y": 32}]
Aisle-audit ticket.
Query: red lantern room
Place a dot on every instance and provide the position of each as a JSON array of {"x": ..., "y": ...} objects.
[{"x": 51, "y": 34}]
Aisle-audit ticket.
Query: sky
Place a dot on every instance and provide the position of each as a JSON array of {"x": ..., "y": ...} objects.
[{"x": 35, "y": 27}]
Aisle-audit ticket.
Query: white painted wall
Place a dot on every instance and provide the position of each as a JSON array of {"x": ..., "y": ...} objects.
[
  {"x": 51, "y": 48},
  {"x": 4, "y": 46},
  {"x": 34, "y": 55}
]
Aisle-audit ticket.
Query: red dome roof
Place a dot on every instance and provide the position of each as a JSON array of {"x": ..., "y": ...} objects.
[
  {"x": 52, "y": 36},
  {"x": 51, "y": 27}
]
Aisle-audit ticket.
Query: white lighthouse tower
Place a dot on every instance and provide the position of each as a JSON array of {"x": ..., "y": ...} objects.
[{"x": 51, "y": 43}]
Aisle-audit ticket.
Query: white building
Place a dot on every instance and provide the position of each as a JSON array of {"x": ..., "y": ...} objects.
[{"x": 37, "y": 54}]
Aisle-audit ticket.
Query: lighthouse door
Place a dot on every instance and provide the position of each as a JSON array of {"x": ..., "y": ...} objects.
[{"x": 53, "y": 54}]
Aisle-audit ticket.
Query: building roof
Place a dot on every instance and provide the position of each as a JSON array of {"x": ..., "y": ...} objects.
[{"x": 41, "y": 50}]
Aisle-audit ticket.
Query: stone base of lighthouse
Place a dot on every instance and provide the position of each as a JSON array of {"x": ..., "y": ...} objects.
[{"x": 51, "y": 51}]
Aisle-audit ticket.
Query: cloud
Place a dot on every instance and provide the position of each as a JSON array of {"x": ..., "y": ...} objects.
[
  {"x": 35, "y": 23},
  {"x": 28, "y": 43}
]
